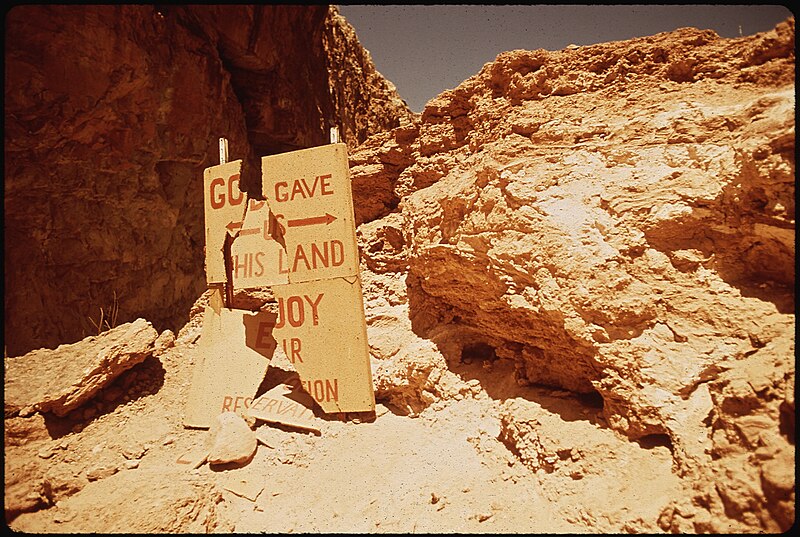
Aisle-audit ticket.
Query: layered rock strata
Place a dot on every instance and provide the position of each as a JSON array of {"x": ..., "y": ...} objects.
[{"x": 113, "y": 112}]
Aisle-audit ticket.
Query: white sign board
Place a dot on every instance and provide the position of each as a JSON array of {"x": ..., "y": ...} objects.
[{"x": 301, "y": 242}]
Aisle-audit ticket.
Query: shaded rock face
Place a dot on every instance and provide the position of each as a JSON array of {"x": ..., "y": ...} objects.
[
  {"x": 618, "y": 220},
  {"x": 113, "y": 112}
]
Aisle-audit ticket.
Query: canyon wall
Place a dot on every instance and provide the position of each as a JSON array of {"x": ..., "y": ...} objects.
[
  {"x": 111, "y": 115},
  {"x": 617, "y": 220}
]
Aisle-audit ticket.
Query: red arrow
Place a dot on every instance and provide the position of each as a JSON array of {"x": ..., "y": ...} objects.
[
  {"x": 233, "y": 226},
  {"x": 312, "y": 220}
]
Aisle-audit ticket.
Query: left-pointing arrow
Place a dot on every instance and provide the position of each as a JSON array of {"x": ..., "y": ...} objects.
[{"x": 233, "y": 226}]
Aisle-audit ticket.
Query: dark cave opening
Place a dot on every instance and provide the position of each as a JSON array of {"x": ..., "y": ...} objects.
[
  {"x": 591, "y": 399},
  {"x": 478, "y": 352},
  {"x": 651, "y": 441}
]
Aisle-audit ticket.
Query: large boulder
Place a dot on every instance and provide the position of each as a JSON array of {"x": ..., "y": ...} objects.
[{"x": 63, "y": 379}]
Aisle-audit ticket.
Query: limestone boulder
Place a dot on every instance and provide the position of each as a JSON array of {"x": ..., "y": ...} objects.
[
  {"x": 231, "y": 440},
  {"x": 61, "y": 380}
]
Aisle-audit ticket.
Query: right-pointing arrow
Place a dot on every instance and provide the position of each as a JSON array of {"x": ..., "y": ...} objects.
[{"x": 312, "y": 220}]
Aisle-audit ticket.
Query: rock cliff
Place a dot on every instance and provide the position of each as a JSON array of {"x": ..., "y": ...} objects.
[
  {"x": 113, "y": 112},
  {"x": 617, "y": 220}
]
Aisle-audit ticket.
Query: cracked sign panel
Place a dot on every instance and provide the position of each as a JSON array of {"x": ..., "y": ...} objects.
[
  {"x": 224, "y": 206},
  {"x": 301, "y": 242}
]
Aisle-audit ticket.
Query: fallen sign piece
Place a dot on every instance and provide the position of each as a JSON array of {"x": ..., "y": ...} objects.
[
  {"x": 230, "y": 372},
  {"x": 321, "y": 328},
  {"x": 286, "y": 404}
]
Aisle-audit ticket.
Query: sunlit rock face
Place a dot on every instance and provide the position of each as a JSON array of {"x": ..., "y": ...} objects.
[
  {"x": 619, "y": 221},
  {"x": 113, "y": 112}
]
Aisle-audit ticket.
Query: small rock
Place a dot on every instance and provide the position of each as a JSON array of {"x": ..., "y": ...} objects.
[
  {"x": 483, "y": 517},
  {"x": 164, "y": 341},
  {"x": 100, "y": 472},
  {"x": 45, "y": 453},
  {"x": 434, "y": 498},
  {"x": 62, "y": 516},
  {"x": 130, "y": 465},
  {"x": 231, "y": 440},
  {"x": 133, "y": 452}
]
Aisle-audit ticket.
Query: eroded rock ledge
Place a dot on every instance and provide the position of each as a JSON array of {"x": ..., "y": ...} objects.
[{"x": 617, "y": 220}]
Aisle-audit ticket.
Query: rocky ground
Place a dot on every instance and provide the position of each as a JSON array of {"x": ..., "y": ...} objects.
[
  {"x": 578, "y": 272},
  {"x": 115, "y": 464}
]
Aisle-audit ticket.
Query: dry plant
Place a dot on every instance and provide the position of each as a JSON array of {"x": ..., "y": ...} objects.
[{"x": 107, "y": 322}]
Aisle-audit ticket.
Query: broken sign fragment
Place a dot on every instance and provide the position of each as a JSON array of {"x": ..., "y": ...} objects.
[
  {"x": 286, "y": 404},
  {"x": 229, "y": 372}
]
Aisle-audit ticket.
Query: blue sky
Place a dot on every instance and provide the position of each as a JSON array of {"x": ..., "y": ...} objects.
[{"x": 425, "y": 49}]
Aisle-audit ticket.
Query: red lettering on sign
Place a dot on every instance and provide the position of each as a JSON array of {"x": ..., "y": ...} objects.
[
  {"x": 238, "y": 266},
  {"x": 234, "y": 180},
  {"x": 264, "y": 332},
  {"x": 293, "y": 310},
  {"x": 249, "y": 264},
  {"x": 217, "y": 200},
  {"x": 292, "y": 351},
  {"x": 299, "y": 254},
  {"x": 279, "y": 194},
  {"x": 314, "y": 256},
  {"x": 268, "y": 404},
  {"x": 228, "y": 400},
  {"x": 326, "y": 189},
  {"x": 322, "y": 390},
  {"x": 260, "y": 270},
  {"x": 300, "y": 188}
]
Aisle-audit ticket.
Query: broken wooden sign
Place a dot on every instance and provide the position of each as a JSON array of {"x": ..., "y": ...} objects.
[{"x": 300, "y": 241}]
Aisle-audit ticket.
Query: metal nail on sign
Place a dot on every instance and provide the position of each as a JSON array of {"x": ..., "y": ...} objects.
[{"x": 301, "y": 242}]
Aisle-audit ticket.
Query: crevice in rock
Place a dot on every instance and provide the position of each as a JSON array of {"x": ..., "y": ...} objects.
[
  {"x": 651, "y": 441},
  {"x": 592, "y": 399}
]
